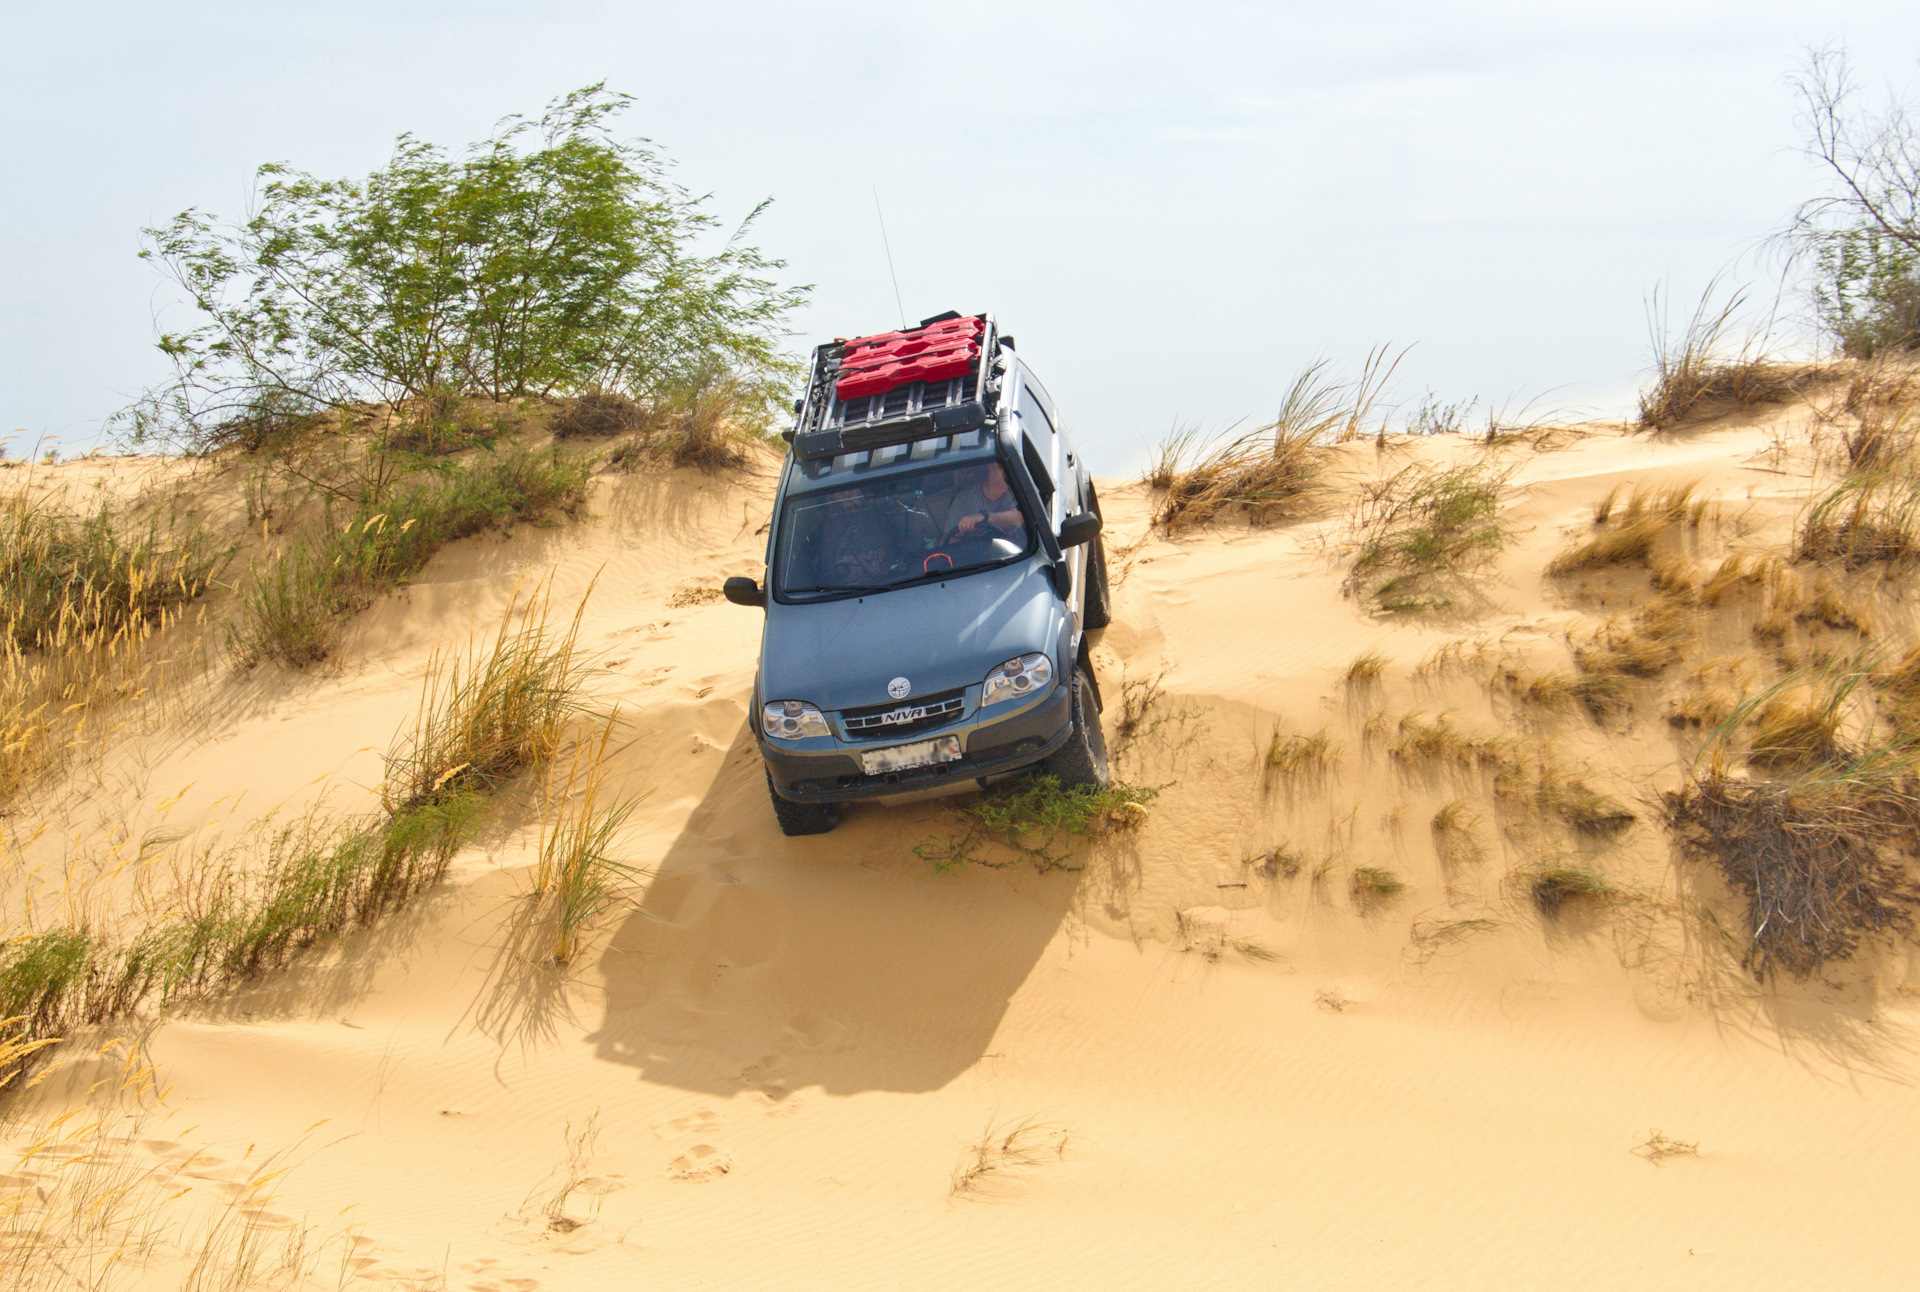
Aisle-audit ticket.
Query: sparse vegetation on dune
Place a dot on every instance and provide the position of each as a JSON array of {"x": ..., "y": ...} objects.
[
  {"x": 293, "y": 608},
  {"x": 250, "y": 909},
  {"x": 88, "y": 599},
  {"x": 1291, "y": 753}
]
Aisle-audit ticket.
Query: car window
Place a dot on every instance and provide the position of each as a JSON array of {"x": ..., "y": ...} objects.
[{"x": 888, "y": 531}]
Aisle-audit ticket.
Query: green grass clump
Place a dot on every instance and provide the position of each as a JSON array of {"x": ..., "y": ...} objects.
[
  {"x": 1373, "y": 886},
  {"x": 1423, "y": 529},
  {"x": 1036, "y": 819},
  {"x": 1552, "y": 887},
  {"x": 293, "y": 609}
]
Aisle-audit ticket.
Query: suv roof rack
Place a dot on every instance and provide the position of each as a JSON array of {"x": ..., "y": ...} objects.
[{"x": 941, "y": 378}]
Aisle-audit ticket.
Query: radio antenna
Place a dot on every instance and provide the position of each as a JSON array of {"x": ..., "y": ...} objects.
[{"x": 890, "y": 270}]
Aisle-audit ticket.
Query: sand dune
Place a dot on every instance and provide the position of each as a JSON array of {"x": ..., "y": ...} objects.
[{"x": 772, "y": 1064}]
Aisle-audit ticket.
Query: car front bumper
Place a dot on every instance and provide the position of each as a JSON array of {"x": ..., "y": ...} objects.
[{"x": 991, "y": 748}]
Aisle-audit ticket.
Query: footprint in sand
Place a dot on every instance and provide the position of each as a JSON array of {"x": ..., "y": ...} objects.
[
  {"x": 701, "y": 1162},
  {"x": 701, "y": 1121}
]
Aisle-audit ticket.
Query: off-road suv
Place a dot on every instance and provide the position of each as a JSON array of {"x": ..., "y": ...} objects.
[{"x": 933, "y": 567}]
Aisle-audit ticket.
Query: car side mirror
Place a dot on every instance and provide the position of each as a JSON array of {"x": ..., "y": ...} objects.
[
  {"x": 743, "y": 592},
  {"x": 1079, "y": 528}
]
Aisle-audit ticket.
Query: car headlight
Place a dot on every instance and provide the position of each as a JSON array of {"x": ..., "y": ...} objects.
[
  {"x": 1017, "y": 678},
  {"x": 792, "y": 720}
]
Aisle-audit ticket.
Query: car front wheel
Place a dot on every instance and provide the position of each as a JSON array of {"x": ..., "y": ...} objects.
[{"x": 1082, "y": 761}]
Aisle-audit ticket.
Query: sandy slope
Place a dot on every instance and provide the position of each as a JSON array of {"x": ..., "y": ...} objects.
[{"x": 786, "y": 1047}]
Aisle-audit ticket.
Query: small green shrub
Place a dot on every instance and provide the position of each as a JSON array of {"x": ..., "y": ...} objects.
[
  {"x": 1423, "y": 530},
  {"x": 1028, "y": 817}
]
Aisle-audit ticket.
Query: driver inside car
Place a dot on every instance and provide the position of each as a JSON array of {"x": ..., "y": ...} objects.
[{"x": 985, "y": 507}]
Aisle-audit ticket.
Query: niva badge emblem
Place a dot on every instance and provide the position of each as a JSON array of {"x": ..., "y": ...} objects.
[{"x": 899, "y": 688}]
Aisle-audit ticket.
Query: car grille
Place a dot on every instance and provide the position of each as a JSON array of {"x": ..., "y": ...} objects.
[{"x": 888, "y": 721}]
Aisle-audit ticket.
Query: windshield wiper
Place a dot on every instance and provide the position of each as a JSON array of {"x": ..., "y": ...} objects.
[{"x": 841, "y": 587}]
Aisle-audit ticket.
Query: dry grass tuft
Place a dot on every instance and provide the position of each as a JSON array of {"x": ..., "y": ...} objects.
[
  {"x": 1282, "y": 861},
  {"x": 486, "y": 716},
  {"x": 1292, "y": 753},
  {"x": 1004, "y": 1152},
  {"x": 1271, "y": 471},
  {"x": 1699, "y": 374},
  {"x": 1643, "y": 645},
  {"x": 1870, "y": 515},
  {"x": 1631, "y": 529},
  {"x": 1367, "y": 669},
  {"x": 576, "y": 881},
  {"x": 1438, "y": 740},
  {"x": 1429, "y": 937}
]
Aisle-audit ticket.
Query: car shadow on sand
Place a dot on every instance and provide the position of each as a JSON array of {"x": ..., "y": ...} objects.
[{"x": 842, "y": 961}]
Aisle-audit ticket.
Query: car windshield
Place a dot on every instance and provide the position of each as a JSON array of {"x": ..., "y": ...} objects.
[{"x": 882, "y": 532}]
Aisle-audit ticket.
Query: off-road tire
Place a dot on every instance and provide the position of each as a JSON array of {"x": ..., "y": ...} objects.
[
  {"x": 1083, "y": 759},
  {"x": 1098, "y": 611},
  {"x": 802, "y": 818}
]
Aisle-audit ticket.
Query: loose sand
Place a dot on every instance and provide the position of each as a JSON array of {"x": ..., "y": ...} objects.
[{"x": 784, "y": 1050}]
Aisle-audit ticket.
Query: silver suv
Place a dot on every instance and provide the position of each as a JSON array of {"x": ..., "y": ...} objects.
[{"x": 933, "y": 567}]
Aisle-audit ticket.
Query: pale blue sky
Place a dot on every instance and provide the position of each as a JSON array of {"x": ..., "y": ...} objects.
[{"x": 1172, "y": 206}]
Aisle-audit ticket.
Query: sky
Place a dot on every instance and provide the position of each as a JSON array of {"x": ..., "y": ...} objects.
[{"x": 1173, "y": 207}]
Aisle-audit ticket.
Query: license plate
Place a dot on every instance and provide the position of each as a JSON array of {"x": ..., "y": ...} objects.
[{"x": 925, "y": 753}]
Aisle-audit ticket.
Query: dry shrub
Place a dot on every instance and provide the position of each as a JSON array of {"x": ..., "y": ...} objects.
[
  {"x": 1821, "y": 857},
  {"x": 1630, "y": 529},
  {"x": 1699, "y": 374},
  {"x": 598, "y": 414},
  {"x": 1423, "y": 530}
]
